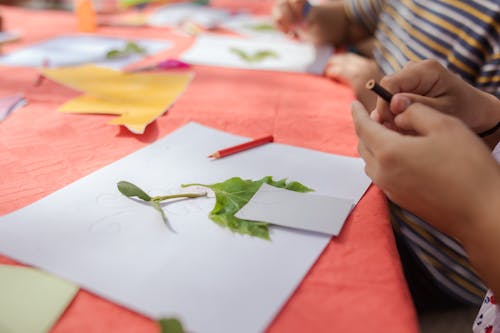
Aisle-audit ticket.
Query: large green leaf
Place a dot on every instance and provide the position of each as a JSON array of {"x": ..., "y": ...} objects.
[
  {"x": 170, "y": 325},
  {"x": 234, "y": 193}
]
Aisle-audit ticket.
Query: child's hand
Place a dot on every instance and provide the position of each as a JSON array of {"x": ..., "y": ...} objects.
[
  {"x": 325, "y": 23},
  {"x": 444, "y": 174},
  {"x": 288, "y": 14},
  {"x": 429, "y": 83},
  {"x": 355, "y": 70}
]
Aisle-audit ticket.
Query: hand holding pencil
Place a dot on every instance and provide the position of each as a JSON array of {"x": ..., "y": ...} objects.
[{"x": 429, "y": 83}]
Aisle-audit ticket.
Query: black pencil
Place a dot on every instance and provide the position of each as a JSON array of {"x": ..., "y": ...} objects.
[{"x": 379, "y": 90}]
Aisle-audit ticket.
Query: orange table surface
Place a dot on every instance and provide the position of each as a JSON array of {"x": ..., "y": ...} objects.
[{"x": 355, "y": 286}]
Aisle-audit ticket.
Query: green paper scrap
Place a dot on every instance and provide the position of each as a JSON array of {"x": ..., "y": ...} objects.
[{"x": 30, "y": 300}]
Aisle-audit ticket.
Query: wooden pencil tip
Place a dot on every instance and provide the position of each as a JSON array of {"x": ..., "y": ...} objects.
[
  {"x": 214, "y": 155},
  {"x": 370, "y": 84}
]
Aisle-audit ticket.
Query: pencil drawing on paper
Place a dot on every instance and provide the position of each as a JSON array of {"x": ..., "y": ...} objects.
[{"x": 107, "y": 225}]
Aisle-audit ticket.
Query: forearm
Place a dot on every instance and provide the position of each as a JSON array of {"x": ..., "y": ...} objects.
[{"x": 482, "y": 241}]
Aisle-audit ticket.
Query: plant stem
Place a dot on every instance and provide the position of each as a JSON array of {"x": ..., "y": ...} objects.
[{"x": 181, "y": 195}]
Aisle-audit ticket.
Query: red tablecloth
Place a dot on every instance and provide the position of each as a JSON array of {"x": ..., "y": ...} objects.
[{"x": 355, "y": 286}]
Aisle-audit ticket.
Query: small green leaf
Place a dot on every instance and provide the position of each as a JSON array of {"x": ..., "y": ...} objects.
[
  {"x": 132, "y": 47},
  {"x": 261, "y": 55},
  {"x": 130, "y": 190},
  {"x": 256, "y": 57},
  {"x": 240, "y": 53},
  {"x": 233, "y": 194},
  {"x": 111, "y": 54},
  {"x": 261, "y": 27},
  {"x": 156, "y": 205},
  {"x": 129, "y": 49},
  {"x": 170, "y": 325}
]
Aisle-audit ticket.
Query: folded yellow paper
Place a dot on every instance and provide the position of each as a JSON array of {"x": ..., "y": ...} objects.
[{"x": 139, "y": 98}]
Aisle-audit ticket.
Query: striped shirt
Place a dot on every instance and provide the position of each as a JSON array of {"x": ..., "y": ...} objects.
[
  {"x": 442, "y": 257},
  {"x": 463, "y": 35}
]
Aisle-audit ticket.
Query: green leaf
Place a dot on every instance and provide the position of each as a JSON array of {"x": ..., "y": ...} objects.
[
  {"x": 261, "y": 55},
  {"x": 156, "y": 205},
  {"x": 261, "y": 27},
  {"x": 233, "y": 194},
  {"x": 170, "y": 325},
  {"x": 130, "y": 190},
  {"x": 129, "y": 3},
  {"x": 132, "y": 47},
  {"x": 129, "y": 49},
  {"x": 256, "y": 57},
  {"x": 111, "y": 54},
  {"x": 240, "y": 53}
]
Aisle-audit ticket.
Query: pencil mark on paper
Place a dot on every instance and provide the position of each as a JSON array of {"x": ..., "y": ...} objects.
[
  {"x": 111, "y": 200},
  {"x": 108, "y": 225}
]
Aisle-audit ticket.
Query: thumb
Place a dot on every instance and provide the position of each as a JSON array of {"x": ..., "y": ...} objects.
[
  {"x": 400, "y": 102},
  {"x": 420, "y": 118}
]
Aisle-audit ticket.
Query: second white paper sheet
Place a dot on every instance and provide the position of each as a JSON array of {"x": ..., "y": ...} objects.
[
  {"x": 72, "y": 50},
  {"x": 305, "y": 211},
  {"x": 286, "y": 56},
  {"x": 213, "y": 280}
]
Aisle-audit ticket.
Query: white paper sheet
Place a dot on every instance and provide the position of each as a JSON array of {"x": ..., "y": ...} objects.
[
  {"x": 290, "y": 56},
  {"x": 305, "y": 211},
  {"x": 213, "y": 280},
  {"x": 79, "y": 49},
  {"x": 9, "y": 36},
  {"x": 9, "y": 104},
  {"x": 248, "y": 26},
  {"x": 176, "y": 14}
]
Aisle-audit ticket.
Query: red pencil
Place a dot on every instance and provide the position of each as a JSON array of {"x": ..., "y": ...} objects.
[{"x": 242, "y": 147}]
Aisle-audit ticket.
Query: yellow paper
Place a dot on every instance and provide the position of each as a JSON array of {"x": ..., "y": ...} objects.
[
  {"x": 139, "y": 98},
  {"x": 31, "y": 300}
]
